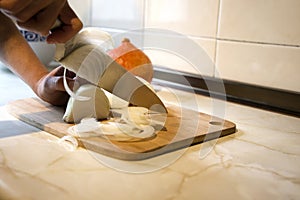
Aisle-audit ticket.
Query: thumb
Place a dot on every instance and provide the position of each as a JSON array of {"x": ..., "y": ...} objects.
[{"x": 57, "y": 83}]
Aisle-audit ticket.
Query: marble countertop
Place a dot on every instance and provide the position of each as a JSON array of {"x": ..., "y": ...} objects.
[{"x": 260, "y": 161}]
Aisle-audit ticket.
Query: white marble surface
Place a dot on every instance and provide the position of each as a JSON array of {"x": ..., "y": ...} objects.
[
  {"x": 12, "y": 87},
  {"x": 260, "y": 161}
]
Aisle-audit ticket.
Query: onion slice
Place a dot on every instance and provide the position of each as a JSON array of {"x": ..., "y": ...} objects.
[
  {"x": 127, "y": 129},
  {"x": 117, "y": 130},
  {"x": 86, "y": 128},
  {"x": 70, "y": 92},
  {"x": 68, "y": 142}
]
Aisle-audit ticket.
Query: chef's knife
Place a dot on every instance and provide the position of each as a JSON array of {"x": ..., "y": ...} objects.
[
  {"x": 123, "y": 84},
  {"x": 89, "y": 61}
]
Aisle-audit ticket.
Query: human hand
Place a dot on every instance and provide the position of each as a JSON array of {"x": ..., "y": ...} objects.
[
  {"x": 71, "y": 25},
  {"x": 40, "y": 15},
  {"x": 51, "y": 89}
]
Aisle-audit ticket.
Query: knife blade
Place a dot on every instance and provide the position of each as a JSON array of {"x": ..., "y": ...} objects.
[
  {"x": 125, "y": 85},
  {"x": 90, "y": 62}
]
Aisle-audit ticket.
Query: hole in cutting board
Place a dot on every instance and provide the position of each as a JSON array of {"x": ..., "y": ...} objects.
[{"x": 215, "y": 123}]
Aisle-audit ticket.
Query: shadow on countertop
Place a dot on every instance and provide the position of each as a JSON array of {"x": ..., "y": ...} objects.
[{"x": 11, "y": 128}]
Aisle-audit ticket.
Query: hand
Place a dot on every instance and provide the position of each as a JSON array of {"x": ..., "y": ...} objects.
[
  {"x": 40, "y": 15},
  {"x": 37, "y": 15},
  {"x": 71, "y": 25},
  {"x": 51, "y": 89}
]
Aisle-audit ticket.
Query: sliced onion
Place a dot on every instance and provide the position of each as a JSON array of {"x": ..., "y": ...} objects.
[
  {"x": 135, "y": 115},
  {"x": 144, "y": 132},
  {"x": 70, "y": 92},
  {"x": 135, "y": 123},
  {"x": 119, "y": 130},
  {"x": 87, "y": 125},
  {"x": 114, "y": 128},
  {"x": 68, "y": 142},
  {"x": 86, "y": 128}
]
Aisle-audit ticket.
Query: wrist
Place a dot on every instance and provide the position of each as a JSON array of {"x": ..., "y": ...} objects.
[{"x": 37, "y": 83}]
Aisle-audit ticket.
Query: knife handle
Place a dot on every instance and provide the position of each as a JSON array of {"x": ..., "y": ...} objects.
[{"x": 56, "y": 24}]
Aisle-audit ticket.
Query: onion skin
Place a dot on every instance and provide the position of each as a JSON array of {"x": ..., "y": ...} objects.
[{"x": 133, "y": 59}]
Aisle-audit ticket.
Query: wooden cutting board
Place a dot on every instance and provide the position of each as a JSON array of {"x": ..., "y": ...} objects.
[{"x": 183, "y": 128}]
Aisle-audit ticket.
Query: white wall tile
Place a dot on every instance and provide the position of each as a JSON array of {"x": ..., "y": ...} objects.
[
  {"x": 121, "y": 14},
  {"x": 197, "y": 58},
  {"x": 192, "y": 17},
  {"x": 271, "y": 21},
  {"x": 266, "y": 65},
  {"x": 267, "y": 21},
  {"x": 136, "y": 37}
]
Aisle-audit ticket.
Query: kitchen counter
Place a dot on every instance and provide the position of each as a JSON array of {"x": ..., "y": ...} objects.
[{"x": 260, "y": 161}]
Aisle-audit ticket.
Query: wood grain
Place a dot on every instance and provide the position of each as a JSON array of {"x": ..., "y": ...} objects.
[{"x": 183, "y": 128}]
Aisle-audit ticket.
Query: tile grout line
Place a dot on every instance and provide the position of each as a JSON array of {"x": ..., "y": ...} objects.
[
  {"x": 216, "y": 40},
  {"x": 90, "y": 13},
  {"x": 222, "y": 39},
  {"x": 145, "y": 3},
  {"x": 257, "y": 42},
  {"x": 245, "y": 41}
]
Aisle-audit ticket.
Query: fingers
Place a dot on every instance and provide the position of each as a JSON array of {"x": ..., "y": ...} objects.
[
  {"x": 71, "y": 26},
  {"x": 30, "y": 11},
  {"x": 59, "y": 71},
  {"x": 56, "y": 83},
  {"x": 65, "y": 32},
  {"x": 40, "y": 17},
  {"x": 12, "y": 7},
  {"x": 55, "y": 79},
  {"x": 51, "y": 87}
]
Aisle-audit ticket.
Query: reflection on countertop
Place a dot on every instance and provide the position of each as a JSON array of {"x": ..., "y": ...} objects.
[{"x": 261, "y": 160}]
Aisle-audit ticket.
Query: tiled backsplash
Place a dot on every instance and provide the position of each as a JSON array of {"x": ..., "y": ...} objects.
[
  {"x": 250, "y": 41},
  {"x": 267, "y": 21}
]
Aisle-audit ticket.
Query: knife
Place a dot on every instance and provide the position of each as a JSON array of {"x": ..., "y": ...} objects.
[
  {"x": 86, "y": 57},
  {"x": 120, "y": 82}
]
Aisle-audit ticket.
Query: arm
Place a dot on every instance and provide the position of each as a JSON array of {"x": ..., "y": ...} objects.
[{"x": 16, "y": 53}]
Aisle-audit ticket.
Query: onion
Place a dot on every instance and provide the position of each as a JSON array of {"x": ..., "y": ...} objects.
[
  {"x": 96, "y": 107},
  {"x": 136, "y": 115},
  {"x": 70, "y": 92},
  {"x": 128, "y": 129},
  {"x": 133, "y": 59},
  {"x": 68, "y": 142},
  {"x": 120, "y": 130}
]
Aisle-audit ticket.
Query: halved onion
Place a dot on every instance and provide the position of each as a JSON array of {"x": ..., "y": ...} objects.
[{"x": 96, "y": 107}]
